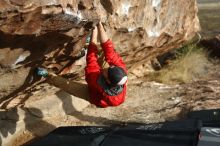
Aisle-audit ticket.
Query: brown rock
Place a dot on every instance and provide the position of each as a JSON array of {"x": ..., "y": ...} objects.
[{"x": 140, "y": 30}]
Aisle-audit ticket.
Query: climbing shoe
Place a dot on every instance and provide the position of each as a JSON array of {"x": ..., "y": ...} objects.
[{"x": 41, "y": 72}]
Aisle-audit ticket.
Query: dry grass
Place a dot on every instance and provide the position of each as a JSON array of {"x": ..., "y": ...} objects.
[{"x": 191, "y": 64}]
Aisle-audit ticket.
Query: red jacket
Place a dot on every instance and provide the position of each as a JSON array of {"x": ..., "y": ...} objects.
[{"x": 93, "y": 71}]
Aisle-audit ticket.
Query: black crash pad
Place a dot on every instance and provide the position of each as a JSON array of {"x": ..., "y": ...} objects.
[{"x": 178, "y": 133}]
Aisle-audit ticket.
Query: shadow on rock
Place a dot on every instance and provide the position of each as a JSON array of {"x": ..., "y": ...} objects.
[
  {"x": 35, "y": 124},
  {"x": 212, "y": 46},
  {"x": 8, "y": 123},
  {"x": 67, "y": 104},
  {"x": 30, "y": 51},
  {"x": 30, "y": 79}
]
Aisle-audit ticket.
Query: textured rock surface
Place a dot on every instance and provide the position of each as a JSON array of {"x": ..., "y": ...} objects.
[
  {"x": 140, "y": 29},
  {"x": 52, "y": 33}
]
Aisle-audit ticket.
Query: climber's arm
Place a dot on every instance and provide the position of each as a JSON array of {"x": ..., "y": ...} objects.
[
  {"x": 92, "y": 69},
  {"x": 111, "y": 56}
]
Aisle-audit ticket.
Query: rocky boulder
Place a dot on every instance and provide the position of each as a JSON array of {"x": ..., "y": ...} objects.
[{"x": 140, "y": 30}]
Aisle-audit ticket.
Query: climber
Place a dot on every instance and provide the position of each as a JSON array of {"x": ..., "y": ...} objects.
[
  {"x": 106, "y": 80},
  {"x": 107, "y": 86}
]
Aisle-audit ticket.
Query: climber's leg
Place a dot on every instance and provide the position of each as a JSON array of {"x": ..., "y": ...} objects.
[{"x": 74, "y": 88}]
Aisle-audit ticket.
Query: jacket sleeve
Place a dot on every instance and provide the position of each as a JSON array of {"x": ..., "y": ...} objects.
[
  {"x": 92, "y": 69},
  {"x": 111, "y": 56}
]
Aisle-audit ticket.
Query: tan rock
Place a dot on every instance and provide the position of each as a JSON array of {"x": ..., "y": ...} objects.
[{"x": 140, "y": 30}]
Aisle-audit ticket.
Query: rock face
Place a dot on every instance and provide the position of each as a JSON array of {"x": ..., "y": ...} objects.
[
  {"x": 52, "y": 33},
  {"x": 140, "y": 29}
]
